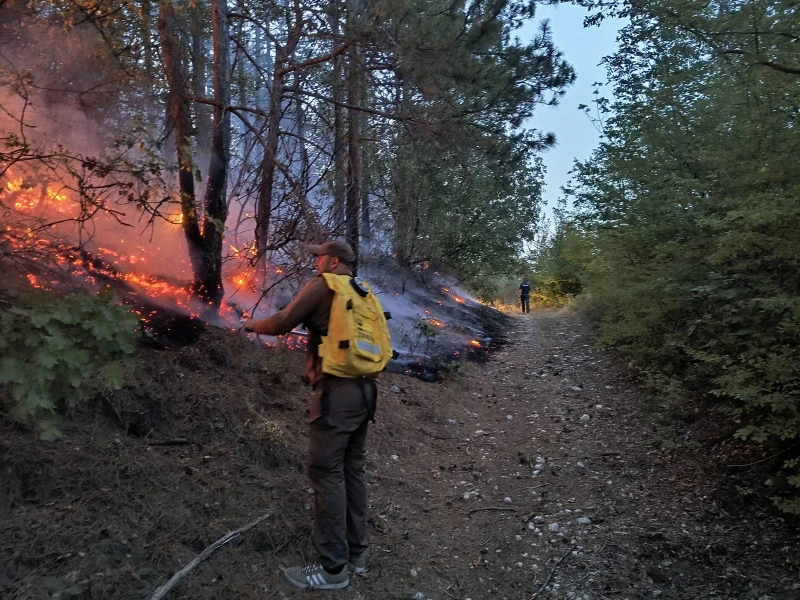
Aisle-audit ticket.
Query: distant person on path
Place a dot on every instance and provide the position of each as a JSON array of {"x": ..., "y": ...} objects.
[
  {"x": 525, "y": 296},
  {"x": 341, "y": 408}
]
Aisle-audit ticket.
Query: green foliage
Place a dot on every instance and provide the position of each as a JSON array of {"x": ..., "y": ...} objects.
[
  {"x": 421, "y": 335},
  {"x": 56, "y": 351},
  {"x": 559, "y": 268},
  {"x": 688, "y": 211}
]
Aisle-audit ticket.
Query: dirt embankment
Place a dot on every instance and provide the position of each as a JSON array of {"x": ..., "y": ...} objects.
[{"x": 538, "y": 474}]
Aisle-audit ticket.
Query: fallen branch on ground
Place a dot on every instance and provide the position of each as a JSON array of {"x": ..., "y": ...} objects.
[
  {"x": 550, "y": 574},
  {"x": 500, "y": 508},
  {"x": 231, "y": 535}
]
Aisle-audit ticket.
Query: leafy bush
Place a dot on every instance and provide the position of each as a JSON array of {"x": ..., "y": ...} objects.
[
  {"x": 692, "y": 261},
  {"x": 56, "y": 351},
  {"x": 422, "y": 334}
]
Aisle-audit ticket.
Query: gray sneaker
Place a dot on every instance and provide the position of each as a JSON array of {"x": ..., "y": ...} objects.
[
  {"x": 313, "y": 576},
  {"x": 359, "y": 564}
]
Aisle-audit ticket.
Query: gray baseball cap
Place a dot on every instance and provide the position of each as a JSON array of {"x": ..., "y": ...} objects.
[{"x": 338, "y": 248}]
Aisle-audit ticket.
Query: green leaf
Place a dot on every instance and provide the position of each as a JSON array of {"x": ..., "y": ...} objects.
[{"x": 114, "y": 375}]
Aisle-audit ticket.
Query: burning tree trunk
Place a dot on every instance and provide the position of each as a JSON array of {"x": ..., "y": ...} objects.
[
  {"x": 216, "y": 202},
  {"x": 205, "y": 246},
  {"x": 178, "y": 111}
]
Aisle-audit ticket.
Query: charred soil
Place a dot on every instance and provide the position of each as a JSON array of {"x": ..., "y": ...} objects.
[{"x": 539, "y": 473}]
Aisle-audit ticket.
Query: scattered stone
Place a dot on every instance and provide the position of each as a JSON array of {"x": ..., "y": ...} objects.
[
  {"x": 553, "y": 527},
  {"x": 581, "y": 465},
  {"x": 584, "y": 521},
  {"x": 585, "y": 418},
  {"x": 507, "y": 500}
]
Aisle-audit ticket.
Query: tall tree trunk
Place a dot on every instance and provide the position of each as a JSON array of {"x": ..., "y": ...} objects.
[
  {"x": 353, "y": 200},
  {"x": 216, "y": 202},
  {"x": 339, "y": 154},
  {"x": 202, "y": 112},
  {"x": 366, "y": 155},
  {"x": 272, "y": 126},
  {"x": 267, "y": 182},
  {"x": 178, "y": 111},
  {"x": 147, "y": 37}
]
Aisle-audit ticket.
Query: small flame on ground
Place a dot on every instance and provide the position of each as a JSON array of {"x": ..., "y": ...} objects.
[{"x": 475, "y": 343}]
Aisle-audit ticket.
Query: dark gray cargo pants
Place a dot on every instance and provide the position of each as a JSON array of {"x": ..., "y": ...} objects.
[{"x": 340, "y": 415}]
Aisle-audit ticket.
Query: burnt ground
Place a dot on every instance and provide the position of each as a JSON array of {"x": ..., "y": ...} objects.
[{"x": 541, "y": 473}]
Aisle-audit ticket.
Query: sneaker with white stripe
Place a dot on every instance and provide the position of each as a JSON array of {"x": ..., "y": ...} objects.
[{"x": 314, "y": 577}]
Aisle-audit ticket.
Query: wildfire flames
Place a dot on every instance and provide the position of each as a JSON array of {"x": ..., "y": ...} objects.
[
  {"x": 34, "y": 199},
  {"x": 104, "y": 265}
]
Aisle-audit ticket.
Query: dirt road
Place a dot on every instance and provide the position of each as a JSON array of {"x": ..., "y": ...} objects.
[
  {"x": 541, "y": 477},
  {"x": 541, "y": 474}
]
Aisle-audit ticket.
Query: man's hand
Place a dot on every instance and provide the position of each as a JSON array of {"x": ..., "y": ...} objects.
[{"x": 249, "y": 325}]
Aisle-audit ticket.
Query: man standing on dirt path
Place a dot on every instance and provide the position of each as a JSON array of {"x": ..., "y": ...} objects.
[
  {"x": 340, "y": 412},
  {"x": 525, "y": 296}
]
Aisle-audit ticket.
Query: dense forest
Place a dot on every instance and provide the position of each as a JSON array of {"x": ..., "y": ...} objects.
[
  {"x": 680, "y": 232},
  {"x": 287, "y": 121}
]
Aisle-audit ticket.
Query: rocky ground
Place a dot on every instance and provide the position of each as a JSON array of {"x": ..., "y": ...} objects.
[{"x": 542, "y": 473}]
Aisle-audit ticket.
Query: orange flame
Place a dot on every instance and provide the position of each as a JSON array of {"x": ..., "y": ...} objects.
[{"x": 475, "y": 343}]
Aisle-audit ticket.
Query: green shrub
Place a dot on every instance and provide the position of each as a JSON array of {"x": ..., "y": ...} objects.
[
  {"x": 57, "y": 351},
  {"x": 421, "y": 335}
]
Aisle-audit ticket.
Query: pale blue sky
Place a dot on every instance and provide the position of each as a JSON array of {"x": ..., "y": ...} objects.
[{"x": 583, "y": 48}]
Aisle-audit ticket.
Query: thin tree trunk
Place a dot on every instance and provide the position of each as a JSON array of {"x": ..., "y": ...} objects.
[
  {"x": 147, "y": 37},
  {"x": 267, "y": 182},
  {"x": 202, "y": 112},
  {"x": 339, "y": 155},
  {"x": 268, "y": 163},
  {"x": 353, "y": 200},
  {"x": 178, "y": 111},
  {"x": 216, "y": 202},
  {"x": 366, "y": 155}
]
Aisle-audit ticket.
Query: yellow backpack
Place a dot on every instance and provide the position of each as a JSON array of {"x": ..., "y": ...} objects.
[{"x": 358, "y": 343}]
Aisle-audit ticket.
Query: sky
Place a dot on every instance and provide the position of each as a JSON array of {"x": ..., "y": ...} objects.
[{"x": 583, "y": 48}]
